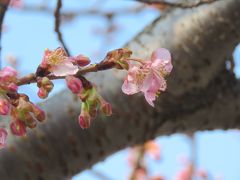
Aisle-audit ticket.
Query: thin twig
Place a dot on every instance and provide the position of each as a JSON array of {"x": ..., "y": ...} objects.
[
  {"x": 3, "y": 8},
  {"x": 85, "y": 12},
  {"x": 178, "y": 5},
  {"x": 57, "y": 16},
  {"x": 232, "y": 64}
]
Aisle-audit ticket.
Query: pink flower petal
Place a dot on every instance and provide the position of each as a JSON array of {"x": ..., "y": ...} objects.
[
  {"x": 151, "y": 85},
  {"x": 129, "y": 88},
  {"x": 64, "y": 69},
  {"x": 161, "y": 58}
]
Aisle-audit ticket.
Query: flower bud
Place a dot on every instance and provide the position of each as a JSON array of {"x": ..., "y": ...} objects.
[
  {"x": 42, "y": 93},
  {"x": 4, "y": 107},
  {"x": 30, "y": 121},
  {"x": 38, "y": 113},
  {"x": 3, "y": 137},
  {"x": 18, "y": 127},
  {"x": 45, "y": 87},
  {"x": 84, "y": 120},
  {"x": 74, "y": 84},
  {"x": 80, "y": 60},
  {"x": 106, "y": 108}
]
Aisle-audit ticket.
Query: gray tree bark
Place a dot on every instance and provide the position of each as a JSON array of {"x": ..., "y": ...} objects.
[{"x": 202, "y": 95}]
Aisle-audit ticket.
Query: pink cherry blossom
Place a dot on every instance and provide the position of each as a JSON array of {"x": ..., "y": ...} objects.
[
  {"x": 57, "y": 62},
  {"x": 148, "y": 77},
  {"x": 4, "y": 106},
  {"x": 3, "y": 137}
]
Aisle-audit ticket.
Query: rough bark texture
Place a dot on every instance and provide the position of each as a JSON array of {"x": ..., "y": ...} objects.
[{"x": 201, "y": 95}]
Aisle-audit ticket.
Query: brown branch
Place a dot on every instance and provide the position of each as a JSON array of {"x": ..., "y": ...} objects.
[
  {"x": 3, "y": 9},
  {"x": 32, "y": 78},
  {"x": 85, "y": 12},
  {"x": 178, "y": 5},
  {"x": 57, "y": 16}
]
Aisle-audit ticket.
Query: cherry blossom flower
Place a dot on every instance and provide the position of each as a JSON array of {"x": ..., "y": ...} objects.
[
  {"x": 148, "y": 76},
  {"x": 57, "y": 62},
  {"x": 3, "y": 137}
]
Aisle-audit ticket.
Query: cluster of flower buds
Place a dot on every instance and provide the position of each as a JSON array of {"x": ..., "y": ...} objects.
[
  {"x": 45, "y": 87},
  {"x": 92, "y": 102},
  {"x": 23, "y": 112}
]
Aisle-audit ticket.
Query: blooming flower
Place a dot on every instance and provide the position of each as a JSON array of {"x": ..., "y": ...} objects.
[
  {"x": 148, "y": 77},
  {"x": 3, "y": 137},
  {"x": 57, "y": 62}
]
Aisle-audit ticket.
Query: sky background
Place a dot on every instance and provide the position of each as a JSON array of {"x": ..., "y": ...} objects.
[{"x": 26, "y": 36}]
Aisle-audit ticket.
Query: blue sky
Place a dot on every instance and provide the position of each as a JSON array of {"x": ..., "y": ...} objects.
[{"x": 28, "y": 34}]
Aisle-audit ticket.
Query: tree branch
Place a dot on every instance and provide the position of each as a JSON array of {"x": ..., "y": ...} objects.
[
  {"x": 178, "y": 5},
  {"x": 201, "y": 95},
  {"x": 57, "y": 16},
  {"x": 3, "y": 9}
]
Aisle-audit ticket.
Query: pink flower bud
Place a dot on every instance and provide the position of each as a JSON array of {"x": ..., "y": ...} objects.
[
  {"x": 106, "y": 108},
  {"x": 18, "y": 127},
  {"x": 4, "y": 107},
  {"x": 42, "y": 93},
  {"x": 84, "y": 120},
  {"x": 80, "y": 60},
  {"x": 74, "y": 84},
  {"x": 29, "y": 121},
  {"x": 3, "y": 137}
]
